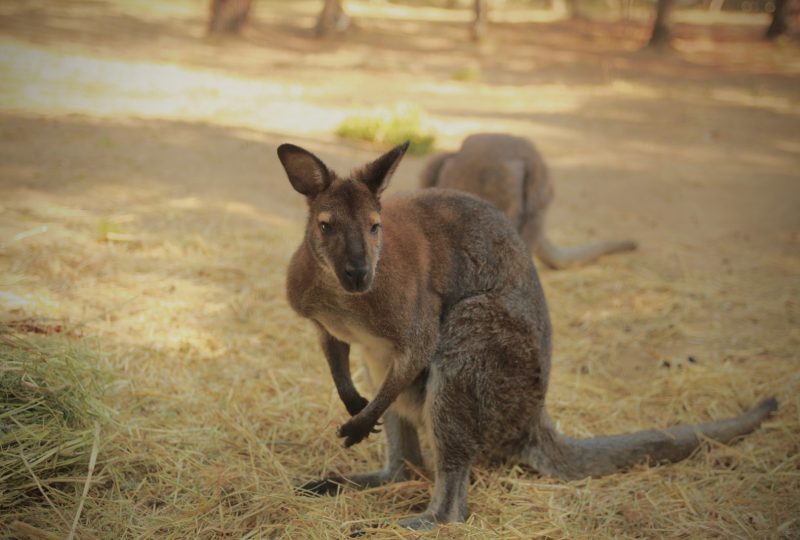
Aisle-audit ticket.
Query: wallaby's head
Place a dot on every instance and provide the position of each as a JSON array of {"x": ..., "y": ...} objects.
[{"x": 344, "y": 220}]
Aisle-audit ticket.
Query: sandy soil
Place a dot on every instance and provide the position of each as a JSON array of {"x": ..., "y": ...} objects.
[{"x": 141, "y": 199}]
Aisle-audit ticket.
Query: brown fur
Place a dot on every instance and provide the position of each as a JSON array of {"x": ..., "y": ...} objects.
[
  {"x": 510, "y": 173},
  {"x": 456, "y": 333}
]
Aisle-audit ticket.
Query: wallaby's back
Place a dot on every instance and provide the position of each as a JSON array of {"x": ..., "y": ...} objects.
[
  {"x": 503, "y": 169},
  {"x": 509, "y": 172},
  {"x": 471, "y": 247}
]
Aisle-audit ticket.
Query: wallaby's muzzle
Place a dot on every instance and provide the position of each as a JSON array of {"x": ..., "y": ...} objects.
[{"x": 357, "y": 278}]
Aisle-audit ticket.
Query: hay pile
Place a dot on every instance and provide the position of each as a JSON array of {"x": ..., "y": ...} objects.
[{"x": 50, "y": 424}]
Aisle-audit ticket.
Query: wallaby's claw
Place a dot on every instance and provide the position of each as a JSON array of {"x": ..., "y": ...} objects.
[
  {"x": 350, "y": 441},
  {"x": 355, "y": 430}
]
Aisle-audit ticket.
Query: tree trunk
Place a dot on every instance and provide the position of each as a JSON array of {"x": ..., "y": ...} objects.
[
  {"x": 228, "y": 16},
  {"x": 481, "y": 9},
  {"x": 572, "y": 9},
  {"x": 780, "y": 20},
  {"x": 662, "y": 34},
  {"x": 332, "y": 19}
]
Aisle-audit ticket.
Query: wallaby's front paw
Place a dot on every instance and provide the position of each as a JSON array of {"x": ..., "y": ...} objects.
[
  {"x": 356, "y": 430},
  {"x": 356, "y": 405}
]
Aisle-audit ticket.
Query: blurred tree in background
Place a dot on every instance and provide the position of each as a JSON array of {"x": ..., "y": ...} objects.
[
  {"x": 228, "y": 16},
  {"x": 781, "y": 17},
  {"x": 332, "y": 19},
  {"x": 661, "y": 35},
  {"x": 480, "y": 8}
]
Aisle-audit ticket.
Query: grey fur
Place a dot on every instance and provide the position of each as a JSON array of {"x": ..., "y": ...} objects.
[
  {"x": 510, "y": 173},
  {"x": 457, "y": 338}
]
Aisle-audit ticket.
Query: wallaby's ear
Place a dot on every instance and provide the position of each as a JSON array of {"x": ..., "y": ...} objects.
[
  {"x": 376, "y": 174},
  {"x": 306, "y": 171}
]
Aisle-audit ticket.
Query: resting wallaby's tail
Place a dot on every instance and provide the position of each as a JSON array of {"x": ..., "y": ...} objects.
[
  {"x": 572, "y": 459},
  {"x": 429, "y": 177},
  {"x": 565, "y": 257}
]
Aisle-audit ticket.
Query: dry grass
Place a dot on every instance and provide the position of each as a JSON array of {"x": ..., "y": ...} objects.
[
  {"x": 213, "y": 401},
  {"x": 155, "y": 384},
  {"x": 50, "y": 401}
]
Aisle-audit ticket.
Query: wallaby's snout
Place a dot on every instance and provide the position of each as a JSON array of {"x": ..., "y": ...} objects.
[
  {"x": 361, "y": 250},
  {"x": 357, "y": 276}
]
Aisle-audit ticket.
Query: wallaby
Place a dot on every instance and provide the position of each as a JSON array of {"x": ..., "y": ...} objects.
[
  {"x": 510, "y": 173},
  {"x": 442, "y": 294}
]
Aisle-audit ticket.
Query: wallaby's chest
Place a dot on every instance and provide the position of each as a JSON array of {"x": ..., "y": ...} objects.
[
  {"x": 378, "y": 353},
  {"x": 352, "y": 331}
]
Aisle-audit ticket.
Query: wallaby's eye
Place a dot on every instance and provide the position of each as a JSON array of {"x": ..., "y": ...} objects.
[
  {"x": 325, "y": 227},
  {"x": 375, "y": 228}
]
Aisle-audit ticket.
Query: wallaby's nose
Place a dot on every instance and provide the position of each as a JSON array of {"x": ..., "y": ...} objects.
[{"x": 356, "y": 273}]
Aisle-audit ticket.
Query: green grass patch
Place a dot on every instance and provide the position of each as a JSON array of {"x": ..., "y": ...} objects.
[
  {"x": 390, "y": 127},
  {"x": 467, "y": 74}
]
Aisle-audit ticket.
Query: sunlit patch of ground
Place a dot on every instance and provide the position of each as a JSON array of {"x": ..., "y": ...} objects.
[{"x": 142, "y": 208}]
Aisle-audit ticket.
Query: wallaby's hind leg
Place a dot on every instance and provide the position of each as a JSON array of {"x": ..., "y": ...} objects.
[
  {"x": 560, "y": 258},
  {"x": 448, "y": 504},
  {"x": 454, "y": 447},
  {"x": 402, "y": 450},
  {"x": 482, "y": 359}
]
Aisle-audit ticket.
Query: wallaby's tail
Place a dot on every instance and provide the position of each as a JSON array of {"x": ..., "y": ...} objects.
[
  {"x": 571, "y": 459},
  {"x": 564, "y": 257},
  {"x": 429, "y": 177}
]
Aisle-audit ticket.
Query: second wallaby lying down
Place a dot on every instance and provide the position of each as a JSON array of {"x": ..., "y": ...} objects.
[
  {"x": 441, "y": 293},
  {"x": 509, "y": 172}
]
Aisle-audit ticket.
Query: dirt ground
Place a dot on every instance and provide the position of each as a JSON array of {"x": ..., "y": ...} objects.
[{"x": 141, "y": 202}]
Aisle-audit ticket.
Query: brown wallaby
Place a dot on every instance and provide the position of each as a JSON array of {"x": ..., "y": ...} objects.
[
  {"x": 508, "y": 172},
  {"x": 441, "y": 293}
]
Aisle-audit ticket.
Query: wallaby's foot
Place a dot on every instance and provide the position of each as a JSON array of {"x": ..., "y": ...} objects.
[
  {"x": 331, "y": 485},
  {"x": 403, "y": 457},
  {"x": 448, "y": 505},
  {"x": 423, "y": 522},
  {"x": 334, "y": 484}
]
